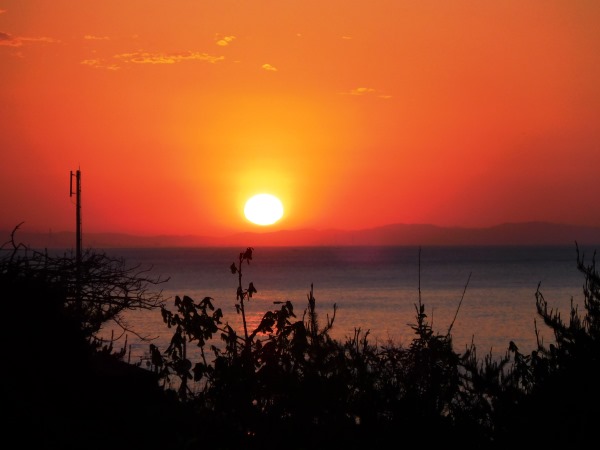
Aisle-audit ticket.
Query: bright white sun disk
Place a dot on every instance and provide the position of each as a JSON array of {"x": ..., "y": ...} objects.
[{"x": 263, "y": 209}]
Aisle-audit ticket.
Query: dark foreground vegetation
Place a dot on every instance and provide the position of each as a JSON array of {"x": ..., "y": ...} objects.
[{"x": 285, "y": 384}]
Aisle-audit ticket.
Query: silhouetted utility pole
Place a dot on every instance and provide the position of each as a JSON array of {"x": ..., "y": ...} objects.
[{"x": 77, "y": 212}]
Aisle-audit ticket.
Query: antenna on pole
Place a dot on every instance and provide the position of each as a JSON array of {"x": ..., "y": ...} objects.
[{"x": 77, "y": 192}]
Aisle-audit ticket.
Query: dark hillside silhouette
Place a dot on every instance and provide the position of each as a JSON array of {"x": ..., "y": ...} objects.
[{"x": 532, "y": 233}]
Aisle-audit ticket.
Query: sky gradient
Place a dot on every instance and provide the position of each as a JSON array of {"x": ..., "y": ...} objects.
[{"x": 355, "y": 114}]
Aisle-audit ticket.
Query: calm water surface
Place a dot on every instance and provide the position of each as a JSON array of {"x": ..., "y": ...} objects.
[{"x": 376, "y": 288}]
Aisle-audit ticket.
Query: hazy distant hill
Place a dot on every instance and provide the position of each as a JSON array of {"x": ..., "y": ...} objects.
[{"x": 531, "y": 233}]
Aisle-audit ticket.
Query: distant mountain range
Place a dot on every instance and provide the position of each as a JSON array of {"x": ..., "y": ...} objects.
[{"x": 529, "y": 233}]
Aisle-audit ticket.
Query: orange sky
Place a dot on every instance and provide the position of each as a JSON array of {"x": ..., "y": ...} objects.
[{"x": 355, "y": 113}]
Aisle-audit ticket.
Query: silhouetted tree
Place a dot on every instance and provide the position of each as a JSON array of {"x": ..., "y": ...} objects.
[{"x": 61, "y": 387}]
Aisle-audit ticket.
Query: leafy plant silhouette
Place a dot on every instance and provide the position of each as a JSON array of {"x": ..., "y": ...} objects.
[
  {"x": 288, "y": 374},
  {"x": 288, "y": 377}
]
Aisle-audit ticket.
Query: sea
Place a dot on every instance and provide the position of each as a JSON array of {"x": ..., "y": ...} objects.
[{"x": 481, "y": 295}]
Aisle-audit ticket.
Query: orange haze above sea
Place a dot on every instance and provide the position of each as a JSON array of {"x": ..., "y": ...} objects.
[{"x": 355, "y": 114}]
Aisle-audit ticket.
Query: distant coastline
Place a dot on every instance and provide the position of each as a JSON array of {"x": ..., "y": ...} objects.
[{"x": 526, "y": 233}]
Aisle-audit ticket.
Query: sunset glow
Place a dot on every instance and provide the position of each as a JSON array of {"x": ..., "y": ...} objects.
[
  {"x": 357, "y": 114},
  {"x": 263, "y": 209}
]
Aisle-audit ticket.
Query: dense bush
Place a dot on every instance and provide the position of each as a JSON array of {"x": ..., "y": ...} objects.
[{"x": 285, "y": 383}]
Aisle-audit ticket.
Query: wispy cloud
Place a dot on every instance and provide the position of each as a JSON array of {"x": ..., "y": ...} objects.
[
  {"x": 7, "y": 39},
  {"x": 15, "y": 41},
  {"x": 224, "y": 40},
  {"x": 166, "y": 58},
  {"x": 99, "y": 64},
  {"x": 269, "y": 67},
  {"x": 118, "y": 60},
  {"x": 362, "y": 91},
  {"x": 89, "y": 37}
]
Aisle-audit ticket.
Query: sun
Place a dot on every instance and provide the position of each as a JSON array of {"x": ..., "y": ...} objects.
[{"x": 263, "y": 209}]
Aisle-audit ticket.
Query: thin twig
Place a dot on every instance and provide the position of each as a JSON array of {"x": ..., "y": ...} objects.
[
  {"x": 419, "y": 275},
  {"x": 459, "y": 303}
]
